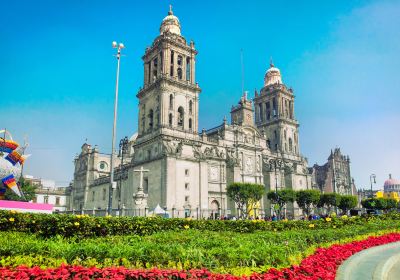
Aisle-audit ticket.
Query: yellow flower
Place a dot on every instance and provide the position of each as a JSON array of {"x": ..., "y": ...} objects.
[
  {"x": 311, "y": 225},
  {"x": 11, "y": 219},
  {"x": 98, "y": 225},
  {"x": 186, "y": 226},
  {"x": 33, "y": 222},
  {"x": 334, "y": 226},
  {"x": 344, "y": 217},
  {"x": 76, "y": 224},
  {"x": 328, "y": 219},
  {"x": 275, "y": 229},
  {"x": 108, "y": 216},
  {"x": 285, "y": 220},
  {"x": 13, "y": 212}
]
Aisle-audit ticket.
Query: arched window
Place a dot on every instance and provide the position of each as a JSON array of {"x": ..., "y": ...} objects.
[
  {"x": 286, "y": 109},
  {"x": 274, "y": 108},
  {"x": 188, "y": 69},
  {"x": 180, "y": 73},
  {"x": 190, "y": 107},
  {"x": 190, "y": 124},
  {"x": 151, "y": 116},
  {"x": 284, "y": 134},
  {"x": 171, "y": 101},
  {"x": 155, "y": 68},
  {"x": 171, "y": 70},
  {"x": 181, "y": 114},
  {"x": 180, "y": 64},
  {"x": 260, "y": 111},
  {"x": 275, "y": 135},
  {"x": 290, "y": 145},
  {"x": 268, "y": 110},
  {"x": 180, "y": 60},
  {"x": 170, "y": 120}
]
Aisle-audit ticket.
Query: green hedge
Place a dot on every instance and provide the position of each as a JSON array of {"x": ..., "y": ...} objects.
[{"x": 84, "y": 226}]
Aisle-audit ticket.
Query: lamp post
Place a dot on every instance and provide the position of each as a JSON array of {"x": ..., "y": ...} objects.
[
  {"x": 119, "y": 47},
  {"x": 123, "y": 148},
  {"x": 276, "y": 164},
  {"x": 370, "y": 180}
]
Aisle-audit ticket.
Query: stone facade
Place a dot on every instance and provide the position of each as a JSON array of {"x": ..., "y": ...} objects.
[
  {"x": 334, "y": 176},
  {"x": 189, "y": 171}
]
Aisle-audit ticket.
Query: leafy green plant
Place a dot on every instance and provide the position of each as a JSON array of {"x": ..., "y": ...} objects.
[
  {"x": 245, "y": 195},
  {"x": 307, "y": 199},
  {"x": 347, "y": 202},
  {"x": 281, "y": 198}
]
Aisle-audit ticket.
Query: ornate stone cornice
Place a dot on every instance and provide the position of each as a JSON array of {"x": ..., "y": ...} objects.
[{"x": 164, "y": 81}]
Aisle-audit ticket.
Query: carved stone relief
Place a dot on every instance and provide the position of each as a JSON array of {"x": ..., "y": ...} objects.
[
  {"x": 172, "y": 148},
  {"x": 213, "y": 173}
]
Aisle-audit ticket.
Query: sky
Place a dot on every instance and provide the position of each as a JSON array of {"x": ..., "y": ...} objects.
[{"x": 57, "y": 73}]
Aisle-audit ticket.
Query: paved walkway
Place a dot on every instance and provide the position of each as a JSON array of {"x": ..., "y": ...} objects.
[{"x": 376, "y": 263}]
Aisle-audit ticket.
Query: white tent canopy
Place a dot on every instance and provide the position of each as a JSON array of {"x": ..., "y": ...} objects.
[{"x": 159, "y": 211}]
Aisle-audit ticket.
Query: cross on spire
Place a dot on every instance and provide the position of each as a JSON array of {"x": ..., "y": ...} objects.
[
  {"x": 271, "y": 62},
  {"x": 170, "y": 10}
]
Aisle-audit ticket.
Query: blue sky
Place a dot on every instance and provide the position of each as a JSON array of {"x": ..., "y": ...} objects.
[{"x": 341, "y": 57}]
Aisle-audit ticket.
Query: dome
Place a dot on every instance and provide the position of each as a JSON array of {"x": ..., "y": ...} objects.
[
  {"x": 391, "y": 182},
  {"x": 272, "y": 76},
  {"x": 170, "y": 23}
]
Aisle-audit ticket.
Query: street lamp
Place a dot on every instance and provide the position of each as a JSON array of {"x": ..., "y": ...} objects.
[
  {"x": 123, "y": 149},
  {"x": 276, "y": 164},
  {"x": 370, "y": 180},
  {"x": 119, "y": 47}
]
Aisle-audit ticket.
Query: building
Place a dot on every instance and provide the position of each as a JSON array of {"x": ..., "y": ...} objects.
[
  {"x": 392, "y": 185},
  {"x": 170, "y": 163},
  {"x": 47, "y": 192},
  {"x": 334, "y": 175}
]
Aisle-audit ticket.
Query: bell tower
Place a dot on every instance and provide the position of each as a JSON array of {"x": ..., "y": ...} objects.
[
  {"x": 242, "y": 114},
  {"x": 170, "y": 95},
  {"x": 274, "y": 107}
]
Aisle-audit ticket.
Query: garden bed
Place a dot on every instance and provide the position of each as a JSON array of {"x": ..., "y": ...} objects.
[{"x": 322, "y": 264}]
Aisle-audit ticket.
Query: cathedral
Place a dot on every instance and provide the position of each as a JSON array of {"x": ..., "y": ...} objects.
[{"x": 170, "y": 163}]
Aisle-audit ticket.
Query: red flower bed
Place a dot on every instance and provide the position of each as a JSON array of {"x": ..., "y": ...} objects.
[{"x": 322, "y": 265}]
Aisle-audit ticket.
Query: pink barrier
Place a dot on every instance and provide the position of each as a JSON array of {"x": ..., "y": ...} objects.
[{"x": 26, "y": 206}]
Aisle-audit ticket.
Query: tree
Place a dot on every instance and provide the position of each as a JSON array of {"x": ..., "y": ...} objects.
[
  {"x": 307, "y": 199},
  {"x": 347, "y": 202},
  {"x": 329, "y": 200},
  {"x": 380, "y": 203},
  {"x": 245, "y": 195},
  {"x": 369, "y": 203},
  {"x": 27, "y": 190},
  {"x": 391, "y": 204},
  {"x": 281, "y": 198}
]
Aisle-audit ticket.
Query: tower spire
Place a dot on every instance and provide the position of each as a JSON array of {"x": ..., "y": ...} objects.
[
  {"x": 170, "y": 10},
  {"x": 271, "y": 62}
]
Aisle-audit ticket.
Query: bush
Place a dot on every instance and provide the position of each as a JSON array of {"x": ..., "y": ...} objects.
[{"x": 84, "y": 226}]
